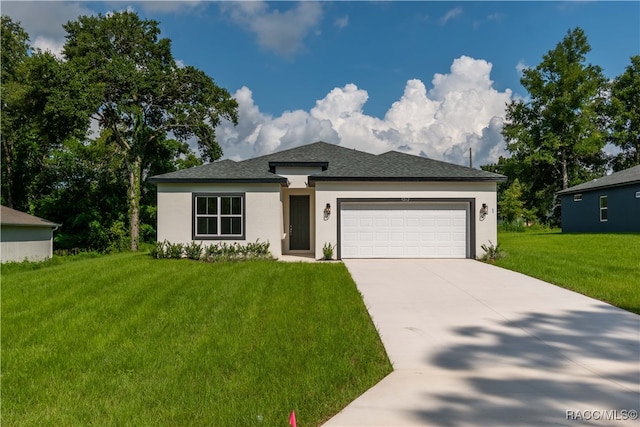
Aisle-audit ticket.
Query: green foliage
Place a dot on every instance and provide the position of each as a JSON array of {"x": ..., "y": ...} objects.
[
  {"x": 218, "y": 252},
  {"x": 91, "y": 199},
  {"x": 327, "y": 251},
  {"x": 157, "y": 250},
  {"x": 556, "y": 136},
  {"x": 624, "y": 114},
  {"x": 193, "y": 250},
  {"x": 511, "y": 205},
  {"x": 174, "y": 250},
  {"x": 139, "y": 95},
  {"x": 147, "y": 233},
  {"x": 41, "y": 108},
  {"x": 108, "y": 239},
  {"x": 491, "y": 252},
  {"x": 124, "y": 339},
  {"x": 234, "y": 251}
]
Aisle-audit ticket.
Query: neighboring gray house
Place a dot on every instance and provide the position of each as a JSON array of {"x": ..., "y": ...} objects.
[
  {"x": 392, "y": 205},
  {"x": 610, "y": 204},
  {"x": 24, "y": 237}
]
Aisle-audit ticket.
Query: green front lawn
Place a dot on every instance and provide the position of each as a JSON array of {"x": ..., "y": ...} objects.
[
  {"x": 602, "y": 266},
  {"x": 128, "y": 340}
]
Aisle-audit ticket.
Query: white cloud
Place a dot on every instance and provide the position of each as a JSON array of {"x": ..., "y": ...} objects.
[
  {"x": 342, "y": 22},
  {"x": 521, "y": 66},
  {"x": 462, "y": 110},
  {"x": 163, "y": 6},
  {"x": 44, "y": 19},
  {"x": 49, "y": 45},
  {"x": 453, "y": 13},
  {"x": 280, "y": 32}
]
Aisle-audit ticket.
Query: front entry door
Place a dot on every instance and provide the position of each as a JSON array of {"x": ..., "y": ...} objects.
[{"x": 299, "y": 223}]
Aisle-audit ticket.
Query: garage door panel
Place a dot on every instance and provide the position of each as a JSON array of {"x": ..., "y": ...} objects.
[
  {"x": 379, "y": 230},
  {"x": 382, "y": 222}
]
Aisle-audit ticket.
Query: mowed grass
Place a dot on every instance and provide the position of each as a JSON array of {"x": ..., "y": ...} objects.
[
  {"x": 602, "y": 266},
  {"x": 128, "y": 340}
]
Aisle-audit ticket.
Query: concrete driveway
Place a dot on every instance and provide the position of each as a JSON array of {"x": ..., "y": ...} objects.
[{"x": 476, "y": 345}]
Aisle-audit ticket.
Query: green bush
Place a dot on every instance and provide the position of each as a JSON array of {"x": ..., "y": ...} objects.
[
  {"x": 327, "y": 251},
  {"x": 212, "y": 253},
  {"x": 147, "y": 233},
  {"x": 158, "y": 250},
  {"x": 491, "y": 252},
  {"x": 118, "y": 237},
  {"x": 174, "y": 250},
  {"x": 193, "y": 250}
]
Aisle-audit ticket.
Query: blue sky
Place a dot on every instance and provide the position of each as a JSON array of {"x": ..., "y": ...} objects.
[{"x": 429, "y": 78}]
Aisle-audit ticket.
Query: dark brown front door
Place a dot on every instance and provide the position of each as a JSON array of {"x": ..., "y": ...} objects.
[{"x": 299, "y": 223}]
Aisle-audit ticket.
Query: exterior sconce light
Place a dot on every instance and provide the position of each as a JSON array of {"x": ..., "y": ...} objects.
[
  {"x": 327, "y": 211},
  {"x": 484, "y": 210}
]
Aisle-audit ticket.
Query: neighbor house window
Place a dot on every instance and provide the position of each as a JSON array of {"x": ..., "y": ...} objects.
[
  {"x": 577, "y": 197},
  {"x": 218, "y": 216},
  {"x": 603, "y": 208}
]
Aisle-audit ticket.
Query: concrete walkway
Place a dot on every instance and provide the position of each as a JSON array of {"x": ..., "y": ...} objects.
[{"x": 477, "y": 345}]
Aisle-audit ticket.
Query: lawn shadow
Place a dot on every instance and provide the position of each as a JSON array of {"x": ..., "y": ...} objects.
[{"x": 531, "y": 370}]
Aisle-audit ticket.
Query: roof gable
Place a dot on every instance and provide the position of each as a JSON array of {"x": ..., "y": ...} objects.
[
  {"x": 616, "y": 179},
  {"x": 338, "y": 163}
]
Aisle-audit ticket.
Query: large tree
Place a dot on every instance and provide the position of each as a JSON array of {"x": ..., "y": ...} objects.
[
  {"x": 624, "y": 116},
  {"x": 14, "y": 46},
  {"x": 43, "y": 104},
  {"x": 140, "y": 94},
  {"x": 557, "y": 131}
]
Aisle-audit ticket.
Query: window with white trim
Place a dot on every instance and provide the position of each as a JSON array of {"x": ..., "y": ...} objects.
[
  {"x": 577, "y": 197},
  {"x": 604, "y": 210},
  {"x": 218, "y": 216}
]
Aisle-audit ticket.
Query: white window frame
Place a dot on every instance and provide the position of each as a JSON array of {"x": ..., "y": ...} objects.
[
  {"x": 577, "y": 197},
  {"x": 604, "y": 210},
  {"x": 219, "y": 216}
]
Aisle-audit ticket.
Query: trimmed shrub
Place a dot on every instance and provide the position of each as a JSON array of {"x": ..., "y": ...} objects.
[
  {"x": 193, "y": 250},
  {"x": 212, "y": 253}
]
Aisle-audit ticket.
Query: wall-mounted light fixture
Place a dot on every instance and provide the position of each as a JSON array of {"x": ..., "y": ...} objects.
[
  {"x": 327, "y": 211},
  {"x": 484, "y": 210}
]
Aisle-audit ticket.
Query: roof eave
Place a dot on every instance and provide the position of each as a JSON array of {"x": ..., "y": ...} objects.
[
  {"x": 22, "y": 224},
  {"x": 409, "y": 179},
  {"x": 596, "y": 188},
  {"x": 218, "y": 180}
]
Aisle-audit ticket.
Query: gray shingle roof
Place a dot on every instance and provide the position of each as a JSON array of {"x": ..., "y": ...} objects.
[
  {"x": 10, "y": 216},
  {"x": 397, "y": 166},
  {"x": 342, "y": 164},
  {"x": 222, "y": 171},
  {"x": 616, "y": 179}
]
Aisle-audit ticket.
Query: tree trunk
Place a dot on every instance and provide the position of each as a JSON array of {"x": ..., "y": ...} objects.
[
  {"x": 8, "y": 173},
  {"x": 565, "y": 173},
  {"x": 134, "y": 201}
]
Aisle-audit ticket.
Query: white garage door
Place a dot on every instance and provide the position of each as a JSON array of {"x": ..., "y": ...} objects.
[{"x": 417, "y": 230}]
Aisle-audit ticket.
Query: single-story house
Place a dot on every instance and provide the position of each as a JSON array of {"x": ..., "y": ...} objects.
[
  {"x": 610, "y": 204},
  {"x": 25, "y": 237},
  {"x": 392, "y": 205}
]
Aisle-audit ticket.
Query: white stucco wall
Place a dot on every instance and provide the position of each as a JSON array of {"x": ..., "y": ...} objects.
[
  {"x": 297, "y": 176},
  {"x": 263, "y": 212},
  {"x": 330, "y": 192},
  {"x": 20, "y": 243}
]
